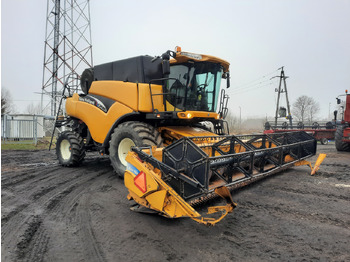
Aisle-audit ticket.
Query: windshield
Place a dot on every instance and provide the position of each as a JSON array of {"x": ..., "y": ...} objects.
[{"x": 197, "y": 86}]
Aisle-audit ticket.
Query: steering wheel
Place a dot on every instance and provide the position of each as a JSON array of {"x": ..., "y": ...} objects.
[{"x": 201, "y": 86}]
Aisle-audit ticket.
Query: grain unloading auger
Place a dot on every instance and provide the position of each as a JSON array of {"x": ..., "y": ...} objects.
[{"x": 173, "y": 180}]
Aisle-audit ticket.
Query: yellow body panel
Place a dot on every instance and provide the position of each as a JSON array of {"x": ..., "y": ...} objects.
[
  {"x": 133, "y": 95},
  {"x": 123, "y": 92},
  {"x": 171, "y": 205},
  {"x": 181, "y": 131},
  {"x": 98, "y": 122},
  {"x": 170, "y": 107},
  {"x": 201, "y": 114},
  {"x": 145, "y": 102},
  {"x": 166, "y": 200},
  {"x": 157, "y": 199},
  {"x": 171, "y": 133}
]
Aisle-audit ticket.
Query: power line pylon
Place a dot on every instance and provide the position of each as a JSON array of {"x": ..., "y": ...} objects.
[
  {"x": 68, "y": 48},
  {"x": 279, "y": 91}
]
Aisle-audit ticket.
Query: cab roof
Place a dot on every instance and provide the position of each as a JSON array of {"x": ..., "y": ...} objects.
[{"x": 183, "y": 57}]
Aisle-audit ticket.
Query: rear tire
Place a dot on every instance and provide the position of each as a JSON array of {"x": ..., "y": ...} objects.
[
  {"x": 70, "y": 148},
  {"x": 127, "y": 135},
  {"x": 339, "y": 144}
]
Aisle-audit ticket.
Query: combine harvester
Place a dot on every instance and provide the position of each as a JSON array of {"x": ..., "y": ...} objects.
[
  {"x": 147, "y": 114},
  {"x": 342, "y": 135}
]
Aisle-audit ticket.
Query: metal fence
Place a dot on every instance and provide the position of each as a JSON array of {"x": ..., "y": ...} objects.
[{"x": 21, "y": 128}]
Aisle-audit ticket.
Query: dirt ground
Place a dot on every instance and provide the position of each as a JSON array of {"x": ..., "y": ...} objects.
[{"x": 52, "y": 213}]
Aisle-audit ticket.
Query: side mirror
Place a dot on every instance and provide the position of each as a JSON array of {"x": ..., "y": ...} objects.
[
  {"x": 338, "y": 101},
  {"x": 227, "y": 80},
  {"x": 166, "y": 67},
  {"x": 166, "y": 63}
]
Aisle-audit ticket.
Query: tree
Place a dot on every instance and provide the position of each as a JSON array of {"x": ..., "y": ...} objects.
[
  {"x": 232, "y": 121},
  {"x": 305, "y": 108},
  {"x": 33, "y": 109},
  {"x": 314, "y": 110},
  {"x": 7, "y": 105}
]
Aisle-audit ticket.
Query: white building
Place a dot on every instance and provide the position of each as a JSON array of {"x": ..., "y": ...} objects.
[{"x": 23, "y": 127}]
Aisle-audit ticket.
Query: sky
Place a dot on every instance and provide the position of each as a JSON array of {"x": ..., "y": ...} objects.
[{"x": 309, "y": 38}]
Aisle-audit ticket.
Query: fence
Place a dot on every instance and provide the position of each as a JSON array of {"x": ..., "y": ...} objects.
[{"x": 22, "y": 128}]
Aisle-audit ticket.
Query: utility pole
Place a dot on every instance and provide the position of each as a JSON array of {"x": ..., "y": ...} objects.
[
  {"x": 68, "y": 48},
  {"x": 279, "y": 90}
]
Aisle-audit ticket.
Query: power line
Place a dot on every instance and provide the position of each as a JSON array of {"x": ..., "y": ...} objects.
[
  {"x": 255, "y": 80},
  {"x": 23, "y": 100},
  {"x": 253, "y": 85},
  {"x": 235, "y": 92},
  {"x": 264, "y": 83}
]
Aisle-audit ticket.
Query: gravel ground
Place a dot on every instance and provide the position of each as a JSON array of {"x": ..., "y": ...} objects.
[{"x": 52, "y": 213}]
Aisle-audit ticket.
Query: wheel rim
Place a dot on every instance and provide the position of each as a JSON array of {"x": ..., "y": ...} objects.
[
  {"x": 123, "y": 149},
  {"x": 65, "y": 149}
]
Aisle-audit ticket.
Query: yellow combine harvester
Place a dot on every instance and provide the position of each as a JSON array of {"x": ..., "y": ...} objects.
[
  {"x": 156, "y": 106},
  {"x": 143, "y": 101}
]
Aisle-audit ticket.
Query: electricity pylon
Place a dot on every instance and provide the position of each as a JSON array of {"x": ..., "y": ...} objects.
[{"x": 68, "y": 48}]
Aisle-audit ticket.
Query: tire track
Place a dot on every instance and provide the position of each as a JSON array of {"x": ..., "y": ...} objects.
[
  {"x": 38, "y": 246},
  {"x": 36, "y": 176},
  {"x": 290, "y": 213},
  {"x": 27, "y": 237},
  {"x": 75, "y": 209},
  {"x": 20, "y": 228},
  {"x": 315, "y": 192},
  {"x": 82, "y": 185},
  {"x": 91, "y": 244},
  {"x": 15, "y": 211},
  {"x": 81, "y": 214}
]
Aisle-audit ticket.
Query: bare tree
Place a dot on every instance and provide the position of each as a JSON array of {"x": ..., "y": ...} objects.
[
  {"x": 7, "y": 105},
  {"x": 33, "y": 109},
  {"x": 300, "y": 107},
  {"x": 305, "y": 108},
  {"x": 314, "y": 110},
  {"x": 233, "y": 122}
]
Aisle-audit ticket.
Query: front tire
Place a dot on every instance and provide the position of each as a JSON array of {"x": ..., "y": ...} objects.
[
  {"x": 339, "y": 144},
  {"x": 70, "y": 148},
  {"x": 127, "y": 135}
]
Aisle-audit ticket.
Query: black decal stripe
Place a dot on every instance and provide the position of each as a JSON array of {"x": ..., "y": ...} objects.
[{"x": 107, "y": 102}]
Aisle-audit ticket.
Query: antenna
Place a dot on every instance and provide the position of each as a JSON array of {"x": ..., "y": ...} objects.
[{"x": 68, "y": 48}]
